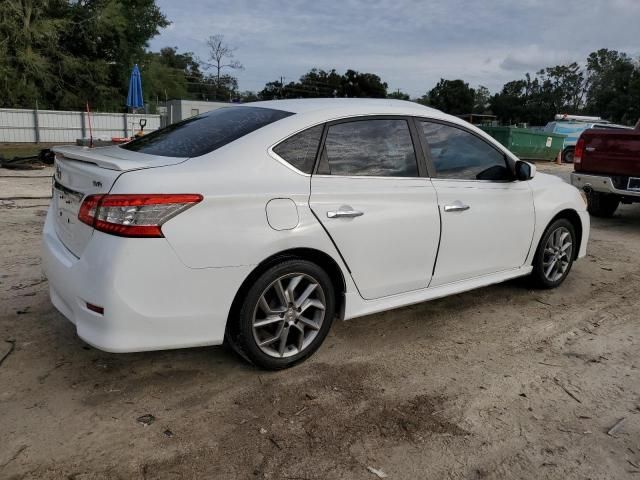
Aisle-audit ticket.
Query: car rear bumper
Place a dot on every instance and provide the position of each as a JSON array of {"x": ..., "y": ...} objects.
[
  {"x": 600, "y": 183},
  {"x": 151, "y": 300}
]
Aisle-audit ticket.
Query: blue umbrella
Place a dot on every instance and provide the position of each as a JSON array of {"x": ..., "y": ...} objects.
[{"x": 134, "y": 99}]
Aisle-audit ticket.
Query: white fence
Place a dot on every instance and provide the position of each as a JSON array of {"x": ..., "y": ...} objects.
[{"x": 53, "y": 126}]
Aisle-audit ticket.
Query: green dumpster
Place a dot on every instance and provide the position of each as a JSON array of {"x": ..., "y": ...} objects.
[{"x": 527, "y": 143}]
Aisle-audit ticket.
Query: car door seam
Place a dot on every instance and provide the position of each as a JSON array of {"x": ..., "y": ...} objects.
[{"x": 331, "y": 238}]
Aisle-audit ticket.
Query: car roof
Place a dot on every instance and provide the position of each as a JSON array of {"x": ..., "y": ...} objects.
[
  {"x": 314, "y": 111},
  {"x": 361, "y": 106}
]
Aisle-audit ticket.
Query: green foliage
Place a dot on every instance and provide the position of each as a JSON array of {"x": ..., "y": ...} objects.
[
  {"x": 62, "y": 53},
  {"x": 608, "y": 87},
  {"x": 398, "y": 95},
  {"x": 613, "y": 86},
  {"x": 452, "y": 96},
  {"x": 481, "y": 100},
  {"x": 321, "y": 83},
  {"x": 29, "y": 33}
]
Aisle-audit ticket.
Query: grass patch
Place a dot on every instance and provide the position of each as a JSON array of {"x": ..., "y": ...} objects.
[{"x": 10, "y": 150}]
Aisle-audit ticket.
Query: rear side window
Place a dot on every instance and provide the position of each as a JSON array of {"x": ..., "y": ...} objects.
[
  {"x": 380, "y": 147},
  {"x": 205, "y": 133},
  {"x": 300, "y": 149},
  {"x": 460, "y": 155}
]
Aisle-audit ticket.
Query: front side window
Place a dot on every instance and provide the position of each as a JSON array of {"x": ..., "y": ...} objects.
[
  {"x": 205, "y": 133},
  {"x": 378, "y": 147},
  {"x": 460, "y": 155},
  {"x": 300, "y": 149}
]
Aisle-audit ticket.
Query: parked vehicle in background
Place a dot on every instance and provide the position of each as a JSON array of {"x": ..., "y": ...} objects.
[
  {"x": 607, "y": 168},
  {"x": 260, "y": 223},
  {"x": 572, "y": 127}
]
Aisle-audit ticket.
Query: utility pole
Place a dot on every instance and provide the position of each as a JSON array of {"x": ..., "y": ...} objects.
[{"x": 281, "y": 85}]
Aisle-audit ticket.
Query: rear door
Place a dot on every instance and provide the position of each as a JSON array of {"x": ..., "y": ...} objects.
[
  {"x": 371, "y": 194},
  {"x": 487, "y": 217}
]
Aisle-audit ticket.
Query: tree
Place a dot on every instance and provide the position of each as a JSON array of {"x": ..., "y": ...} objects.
[
  {"x": 221, "y": 55},
  {"x": 398, "y": 95},
  {"x": 452, "y": 96},
  {"x": 481, "y": 100},
  {"x": 164, "y": 74},
  {"x": 368, "y": 85},
  {"x": 535, "y": 100},
  {"x": 566, "y": 86},
  {"x": 248, "y": 96},
  {"x": 109, "y": 36},
  {"x": 509, "y": 105},
  {"x": 611, "y": 76},
  {"x": 319, "y": 83},
  {"x": 62, "y": 53},
  {"x": 29, "y": 33},
  {"x": 272, "y": 91}
]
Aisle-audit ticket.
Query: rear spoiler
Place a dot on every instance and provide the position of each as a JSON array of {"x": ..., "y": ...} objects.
[
  {"x": 114, "y": 157},
  {"x": 93, "y": 155}
]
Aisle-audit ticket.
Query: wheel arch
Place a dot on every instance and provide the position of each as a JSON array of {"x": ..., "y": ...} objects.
[
  {"x": 318, "y": 257},
  {"x": 573, "y": 217}
]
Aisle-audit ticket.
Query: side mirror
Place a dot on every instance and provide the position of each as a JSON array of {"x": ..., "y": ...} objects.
[{"x": 524, "y": 171}]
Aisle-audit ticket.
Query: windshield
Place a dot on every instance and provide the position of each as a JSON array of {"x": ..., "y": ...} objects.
[{"x": 205, "y": 133}]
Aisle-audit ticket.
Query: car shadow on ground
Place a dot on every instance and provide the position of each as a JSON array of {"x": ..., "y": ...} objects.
[{"x": 625, "y": 220}]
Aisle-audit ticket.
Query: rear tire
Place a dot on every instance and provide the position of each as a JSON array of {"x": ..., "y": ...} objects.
[
  {"x": 285, "y": 315},
  {"x": 602, "y": 204},
  {"x": 554, "y": 256}
]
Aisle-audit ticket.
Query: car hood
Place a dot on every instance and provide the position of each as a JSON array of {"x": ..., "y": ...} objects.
[{"x": 547, "y": 179}]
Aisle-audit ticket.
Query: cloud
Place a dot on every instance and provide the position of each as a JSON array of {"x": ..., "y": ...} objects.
[
  {"x": 534, "y": 57},
  {"x": 411, "y": 44}
]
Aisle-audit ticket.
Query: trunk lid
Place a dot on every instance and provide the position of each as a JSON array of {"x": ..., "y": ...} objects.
[
  {"x": 82, "y": 171},
  {"x": 611, "y": 152}
]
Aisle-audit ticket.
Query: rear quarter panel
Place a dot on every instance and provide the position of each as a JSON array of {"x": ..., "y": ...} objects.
[{"x": 229, "y": 228}]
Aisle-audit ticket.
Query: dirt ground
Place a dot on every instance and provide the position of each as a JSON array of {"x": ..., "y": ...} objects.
[{"x": 501, "y": 382}]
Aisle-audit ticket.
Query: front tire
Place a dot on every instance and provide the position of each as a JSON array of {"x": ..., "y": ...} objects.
[
  {"x": 602, "y": 204},
  {"x": 554, "y": 256},
  {"x": 285, "y": 315}
]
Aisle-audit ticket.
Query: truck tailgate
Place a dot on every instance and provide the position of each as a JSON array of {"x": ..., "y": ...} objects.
[{"x": 611, "y": 152}]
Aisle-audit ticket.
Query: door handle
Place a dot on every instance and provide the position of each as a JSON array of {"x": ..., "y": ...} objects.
[
  {"x": 590, "y": 149},
  {"x": 457, "y": 206},
  {"x": 344, "y": 212}
]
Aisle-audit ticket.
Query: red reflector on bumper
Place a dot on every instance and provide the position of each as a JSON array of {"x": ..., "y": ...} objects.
[{"x": 95, "y": 308}]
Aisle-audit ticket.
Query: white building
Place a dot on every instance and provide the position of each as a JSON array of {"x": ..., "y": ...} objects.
[{"x": 181, "y": 109}]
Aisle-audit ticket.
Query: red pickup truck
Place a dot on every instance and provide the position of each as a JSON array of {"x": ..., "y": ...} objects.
[{"x": 607, "y": 168}]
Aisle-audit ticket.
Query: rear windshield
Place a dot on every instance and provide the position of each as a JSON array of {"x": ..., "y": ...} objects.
[{"x": 205, "y": 133}]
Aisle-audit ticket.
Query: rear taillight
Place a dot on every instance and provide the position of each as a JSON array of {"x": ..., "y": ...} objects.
[
  {"x": 134, "y": 215},
  {"x": 579, "y": 151}
]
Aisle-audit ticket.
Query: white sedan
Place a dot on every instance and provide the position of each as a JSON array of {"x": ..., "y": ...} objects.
[{"x": 258, "y": 224}]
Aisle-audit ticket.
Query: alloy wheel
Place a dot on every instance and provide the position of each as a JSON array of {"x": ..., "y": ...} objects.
[
  {"x": 288, "y": 315},
  {"x": 557, "y": 254}
]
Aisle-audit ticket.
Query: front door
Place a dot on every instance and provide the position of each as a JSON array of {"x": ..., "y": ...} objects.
[
  {"x": 487, "y": 216},
  {"x": 371, "y": 198}
]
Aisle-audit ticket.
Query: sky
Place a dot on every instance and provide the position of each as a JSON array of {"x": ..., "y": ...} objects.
[{"x": 409, "y": 44}]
